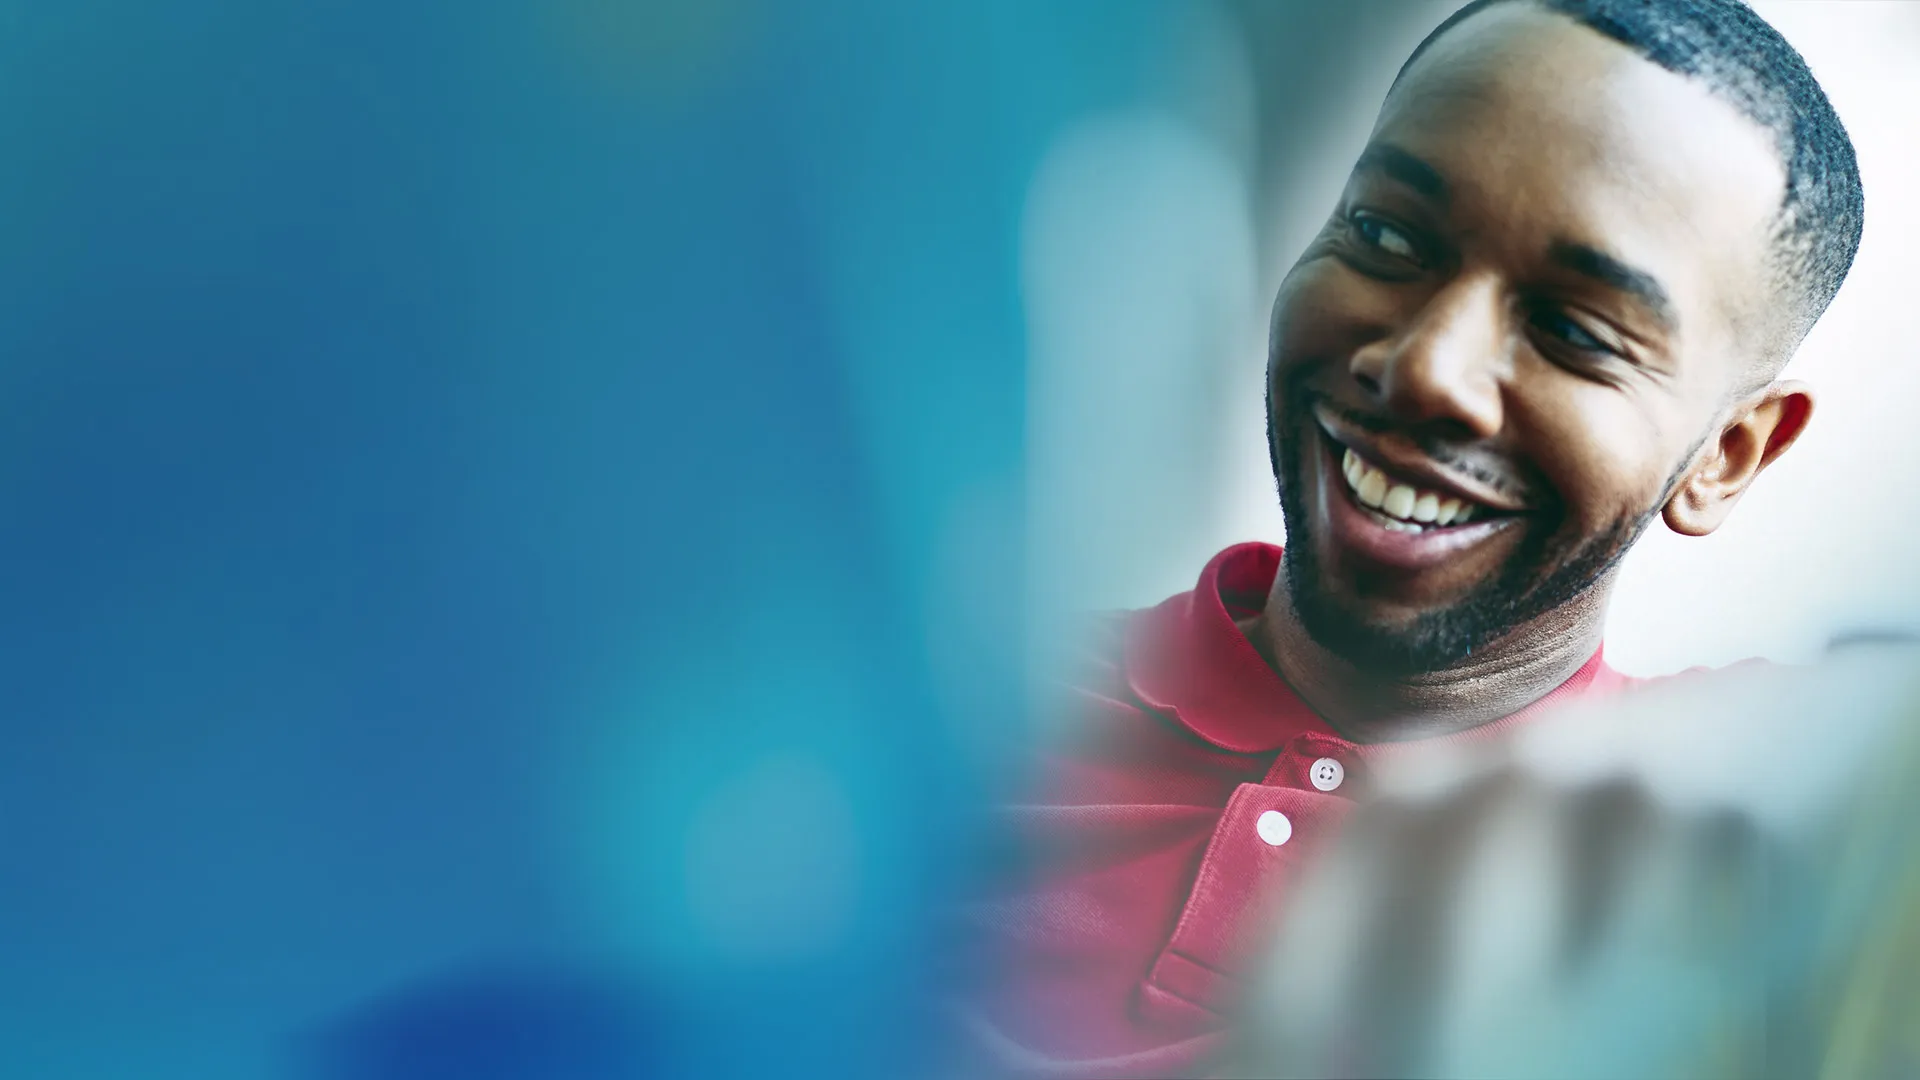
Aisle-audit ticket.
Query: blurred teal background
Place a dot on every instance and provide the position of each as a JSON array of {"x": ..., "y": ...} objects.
[{"x": 516, "y": 517}]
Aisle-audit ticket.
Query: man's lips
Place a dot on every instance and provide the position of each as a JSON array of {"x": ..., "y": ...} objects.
[
  {"x": 1402, "y": 504},
  {"x": 1402, "y": 461},
  {"x": 1398, "y": 541}
]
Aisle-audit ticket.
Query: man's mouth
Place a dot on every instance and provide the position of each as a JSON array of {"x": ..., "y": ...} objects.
[
  {"x": 1402, "y": 506},
  {"x": 1386, "y": 506},
  {"x": 1398, "y": 504}
]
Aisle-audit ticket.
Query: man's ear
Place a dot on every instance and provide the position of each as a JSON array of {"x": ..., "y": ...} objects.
[{"x": 1751, "y": 441}]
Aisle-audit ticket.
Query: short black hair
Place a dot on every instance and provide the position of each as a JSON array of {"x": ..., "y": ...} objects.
[{"x": 1746, "y": 62}]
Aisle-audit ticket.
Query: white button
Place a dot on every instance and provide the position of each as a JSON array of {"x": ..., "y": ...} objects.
[
  {"x": 1274, "y": 827},
  {"x": 1326, "y": 774}
]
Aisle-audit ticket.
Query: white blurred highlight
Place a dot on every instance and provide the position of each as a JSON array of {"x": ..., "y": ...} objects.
[
  {"x": 1506, "y": 915},
  {"x": 1781, "y": 745},
  {"x": 1310, "y": 978},
  {"x": 1138, "y": 275},
  {"x": 1756, "y": 826}
]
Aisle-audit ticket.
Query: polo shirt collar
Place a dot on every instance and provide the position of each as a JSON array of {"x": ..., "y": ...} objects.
[{"x": 1188, "y": 659}]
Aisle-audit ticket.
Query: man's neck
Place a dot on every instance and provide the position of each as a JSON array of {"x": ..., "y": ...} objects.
[{"x": 1497, "y": 682}]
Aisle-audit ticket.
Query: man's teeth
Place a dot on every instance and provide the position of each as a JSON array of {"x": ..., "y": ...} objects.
[{"x": 1402, "y": 501}]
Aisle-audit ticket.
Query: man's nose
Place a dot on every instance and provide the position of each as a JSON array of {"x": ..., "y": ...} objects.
[{"x": 1445, "y": 366}]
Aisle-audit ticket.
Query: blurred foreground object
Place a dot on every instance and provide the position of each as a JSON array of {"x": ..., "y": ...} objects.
[{"x": 1719, "y": 877}]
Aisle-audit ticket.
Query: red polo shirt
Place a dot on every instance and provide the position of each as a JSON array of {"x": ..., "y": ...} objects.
[{"x": 1184, "y": 797}]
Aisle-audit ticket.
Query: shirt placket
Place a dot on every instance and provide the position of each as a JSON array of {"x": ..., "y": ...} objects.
[{"x": 1267, "y": 831}]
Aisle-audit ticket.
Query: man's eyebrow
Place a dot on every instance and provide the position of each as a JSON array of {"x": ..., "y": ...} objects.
[
  {"x": 1608, "y": 270},
  {"x": 1404, "y": 167}
]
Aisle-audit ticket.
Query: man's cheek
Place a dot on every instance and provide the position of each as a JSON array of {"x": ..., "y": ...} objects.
[
  {"x": 1610, "y": 460},
  {"x": 1318, "y": 315},
  {"x": 1610, "y": 490}
]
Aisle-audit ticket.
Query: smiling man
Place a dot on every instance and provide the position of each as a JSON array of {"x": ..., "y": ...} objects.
[{"x": 1550, "y": 308}]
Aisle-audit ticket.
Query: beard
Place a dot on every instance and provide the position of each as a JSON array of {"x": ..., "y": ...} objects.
[{"x": 1546, "y": 572}]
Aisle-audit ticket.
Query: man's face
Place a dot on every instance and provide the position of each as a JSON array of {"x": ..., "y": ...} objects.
[{"x": 1543, "y": 284}]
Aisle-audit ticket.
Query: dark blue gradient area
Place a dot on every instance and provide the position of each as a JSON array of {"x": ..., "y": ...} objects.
[
  {"x": 488, "y": 1025},
  {"x": 511, "y": 519}
]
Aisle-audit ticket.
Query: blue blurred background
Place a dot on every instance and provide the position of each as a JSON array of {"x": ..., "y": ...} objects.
[
  {"x": 521, "y": 522},
  {"x": 512, "y": 531}
]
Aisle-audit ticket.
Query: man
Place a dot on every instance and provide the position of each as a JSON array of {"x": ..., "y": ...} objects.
[{"x": 1550, "y": 307}]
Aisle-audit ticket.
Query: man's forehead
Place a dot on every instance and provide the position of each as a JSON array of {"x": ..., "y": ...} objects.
[
  {"x": 1539, "y": 132},
  {"x": 1526, "y": 94}
]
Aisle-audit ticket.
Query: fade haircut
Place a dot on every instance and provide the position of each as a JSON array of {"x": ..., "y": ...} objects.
[{"x": 1745, "y": 62}]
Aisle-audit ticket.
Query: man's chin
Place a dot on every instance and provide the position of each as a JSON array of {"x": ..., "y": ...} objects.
[
  {"x": 1385, "y": 644},
  {"x": 1395, "y": 641},
  {"x": 1378, "y": 635}
]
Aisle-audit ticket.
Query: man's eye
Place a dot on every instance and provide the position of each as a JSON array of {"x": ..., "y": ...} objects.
[
  {"x": 1377, "y": 232},
  {"x": 1568, "y": 331}
]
